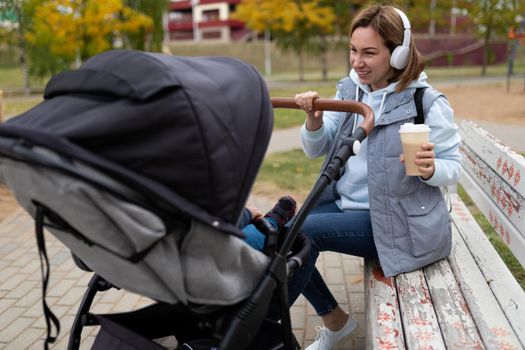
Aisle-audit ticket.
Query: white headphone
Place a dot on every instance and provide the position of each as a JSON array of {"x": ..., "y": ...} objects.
[{"x": 399, "y": 57}]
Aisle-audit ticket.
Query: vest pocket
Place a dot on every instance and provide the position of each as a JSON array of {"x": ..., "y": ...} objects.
[{"x": 427, "y": 220}]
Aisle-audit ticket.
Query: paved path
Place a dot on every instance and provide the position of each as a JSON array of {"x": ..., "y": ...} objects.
[{"x": 511, "y": 135}]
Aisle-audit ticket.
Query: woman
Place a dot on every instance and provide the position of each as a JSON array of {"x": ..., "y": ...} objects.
[{"x": 374, "y": 210}]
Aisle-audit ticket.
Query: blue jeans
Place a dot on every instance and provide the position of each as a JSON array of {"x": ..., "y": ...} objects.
[{"x": 330, "y": 229}]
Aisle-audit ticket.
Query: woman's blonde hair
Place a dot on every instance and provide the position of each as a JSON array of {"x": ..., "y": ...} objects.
[{"x": 388, "y": 24}]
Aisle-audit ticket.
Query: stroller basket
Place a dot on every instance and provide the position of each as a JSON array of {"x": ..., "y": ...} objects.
[{"x": 99, "y": 165}]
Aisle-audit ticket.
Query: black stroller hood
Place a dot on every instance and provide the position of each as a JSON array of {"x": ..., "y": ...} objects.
[{"x": 191, "y": 133}]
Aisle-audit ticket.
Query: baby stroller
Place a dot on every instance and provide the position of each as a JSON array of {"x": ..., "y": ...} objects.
[{"x": 140, "y": 164}]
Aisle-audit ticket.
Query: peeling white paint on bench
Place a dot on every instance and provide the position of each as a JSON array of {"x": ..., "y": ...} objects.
[
  {"x": 420, "y": 324},
  {"x": 456, "y": 323},
  {"x": 492, "y": 177},
  {"x": 491, "y": 322},
  {"x": 508, "y": 163},
  {"x": 496, "y": 275},
  {"x": 383, "y": 317}
]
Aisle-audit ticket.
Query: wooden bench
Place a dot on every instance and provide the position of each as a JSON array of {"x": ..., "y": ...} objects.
[{"x": 469, "y": 300}]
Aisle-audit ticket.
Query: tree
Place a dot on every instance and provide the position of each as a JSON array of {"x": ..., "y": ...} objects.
[
  {"x": 13, "y": 33},
  {"x": 8, "y": 21},
  {"x": 492, "y": 18},
  {"x": 156, "y": 10},
  {"x": 293, "y": 23},
  {"x": 345, "y": 11},
  {"x": 62, "y": 32}
]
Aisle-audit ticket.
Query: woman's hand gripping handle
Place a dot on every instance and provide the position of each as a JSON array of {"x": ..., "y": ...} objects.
[
  {"x": 314, "y": 118},
  {"x": 318, "y": 105}
]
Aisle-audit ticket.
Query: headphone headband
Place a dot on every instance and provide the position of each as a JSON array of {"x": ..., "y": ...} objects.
[
  {"x": 406, "y": 26},
  {"x": 400, "y": 55}
]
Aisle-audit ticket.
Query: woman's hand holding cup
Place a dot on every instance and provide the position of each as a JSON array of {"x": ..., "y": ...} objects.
[
  {"x": 305, "y": 100},
  {"x": 418, "y": 153},
  {"x": 424, "y": 159}
]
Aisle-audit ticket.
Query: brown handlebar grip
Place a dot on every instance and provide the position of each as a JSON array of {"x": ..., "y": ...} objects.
[{"x": 333, "y": 105}]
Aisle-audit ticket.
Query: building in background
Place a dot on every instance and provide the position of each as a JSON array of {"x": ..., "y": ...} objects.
[{"x": 204, "y": 20}]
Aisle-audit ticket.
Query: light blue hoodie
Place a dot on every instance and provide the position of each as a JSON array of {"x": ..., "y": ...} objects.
[{"x": 353, "y": 185}]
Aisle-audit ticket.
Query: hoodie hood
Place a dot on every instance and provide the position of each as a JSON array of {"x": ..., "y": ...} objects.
[{"x": 376, "y": 99}]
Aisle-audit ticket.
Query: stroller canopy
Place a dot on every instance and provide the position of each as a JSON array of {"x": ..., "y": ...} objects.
[{"x": 190, "y": 133}]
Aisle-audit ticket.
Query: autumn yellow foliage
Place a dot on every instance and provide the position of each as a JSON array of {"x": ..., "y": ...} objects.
[
  {"x": 69, "y": 28},
  {"x": 286, "y": 15}
]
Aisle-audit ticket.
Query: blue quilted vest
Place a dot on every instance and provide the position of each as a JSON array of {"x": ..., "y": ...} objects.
[{"x": 410, "y": 220}]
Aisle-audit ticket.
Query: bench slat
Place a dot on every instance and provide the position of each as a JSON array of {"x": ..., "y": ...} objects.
[
  {"x": 458, "y": 327},
  {"x": 506, "y": 198},
  {"x": 492, "y": 177},
  {"x": 509, "y": 201},
  {"x": 383, "y": 325},
  {"x": 509, "y": 234},
  {"x": 420, "y": 322},
  {"x": 492, "y": 323},
  {"x": 509, "y": 164},
  {"x": 506, "y": 289}
]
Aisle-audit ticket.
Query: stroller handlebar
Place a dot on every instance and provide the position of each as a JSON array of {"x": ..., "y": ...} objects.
[{"x": 333, "y": 105}]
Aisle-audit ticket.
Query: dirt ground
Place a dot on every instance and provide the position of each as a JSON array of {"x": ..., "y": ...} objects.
[
  {"x": 488, "y": 102},
  {"x": 477, "y": 102}
]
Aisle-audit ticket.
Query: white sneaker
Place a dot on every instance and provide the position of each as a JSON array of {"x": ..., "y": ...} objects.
[{"x": 340, "y": 340}]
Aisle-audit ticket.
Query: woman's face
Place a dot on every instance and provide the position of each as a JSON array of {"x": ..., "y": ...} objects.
[{"x": 370, "y": 58}]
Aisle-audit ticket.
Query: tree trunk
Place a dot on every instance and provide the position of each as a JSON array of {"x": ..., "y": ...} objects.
[
  {"x": 324, "y": 65},
  {"x": 22, "y": 47},
  {"x": 486, "y": 38},
  {"x": 267, "y": 53},
  {"x": 25, "y": 71},
  {"x": 432, "y": 23},
  {"x": 453, "y": 18},
  {"x": 324, "y": 59},
  {"x": 83, "y": 46},
  {"x": 486, "y": 50},
  {"x": 301, "y": 64}
]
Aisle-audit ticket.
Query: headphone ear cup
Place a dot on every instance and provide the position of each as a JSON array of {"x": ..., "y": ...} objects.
[{"x": 399, "y": 57}]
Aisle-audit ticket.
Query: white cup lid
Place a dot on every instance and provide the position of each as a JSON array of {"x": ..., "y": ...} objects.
[{"x": 410, "y": 127}]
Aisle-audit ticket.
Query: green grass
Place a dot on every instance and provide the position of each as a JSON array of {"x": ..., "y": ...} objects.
[
  {"x": 283, "y": 82},
  {"x": 326, "y": 89},
  {"x": 286, "y": 118},
  {"x": 504, "y": 252},
  {"x": 291, "y": 171},
  {"x": 285, "y": 65},
  {"x": 253, "y": 53},
  {"x": 12, "y": 78}
]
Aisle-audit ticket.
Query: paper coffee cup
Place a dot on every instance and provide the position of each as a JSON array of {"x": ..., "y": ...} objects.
[{"x": 412, "y": 137}]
